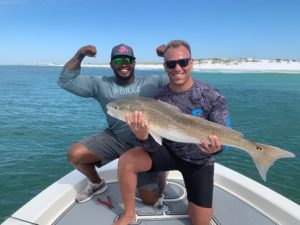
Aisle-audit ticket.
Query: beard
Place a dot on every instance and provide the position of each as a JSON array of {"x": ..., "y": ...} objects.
[{"x": 124, "y": 78}]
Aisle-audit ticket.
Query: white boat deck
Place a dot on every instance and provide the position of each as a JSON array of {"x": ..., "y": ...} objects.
[
  {"x": 172, "y": 210},
  {"x": 237, "y": 200}
]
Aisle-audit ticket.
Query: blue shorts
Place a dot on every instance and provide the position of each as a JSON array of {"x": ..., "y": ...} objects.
[{"x": 198, "y": 179}]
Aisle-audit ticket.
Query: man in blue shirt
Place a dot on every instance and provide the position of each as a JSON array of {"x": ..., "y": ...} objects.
[{"x": 105, "y": 146}]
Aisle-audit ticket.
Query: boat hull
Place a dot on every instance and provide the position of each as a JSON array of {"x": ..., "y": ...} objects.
[{"x": 237, "y": 200}]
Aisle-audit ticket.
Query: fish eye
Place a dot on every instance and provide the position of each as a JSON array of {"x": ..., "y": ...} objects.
[{"x": 116, "y": 107}]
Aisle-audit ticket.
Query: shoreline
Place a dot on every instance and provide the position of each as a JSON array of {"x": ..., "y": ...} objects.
[
  {"x": 216, "y": 65},
  {"x": 254, "y": 67}
]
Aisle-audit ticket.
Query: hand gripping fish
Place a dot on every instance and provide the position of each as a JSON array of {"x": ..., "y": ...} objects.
[{"x": 167, "y": 121}]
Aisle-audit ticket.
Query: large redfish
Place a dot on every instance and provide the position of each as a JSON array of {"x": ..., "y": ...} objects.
[{"x": 167, "y": 121}]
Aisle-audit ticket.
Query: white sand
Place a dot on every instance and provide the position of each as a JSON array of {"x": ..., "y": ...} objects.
[
  {"x": 240, "y": 65},
  {"x": 261, "y": 65},
  {"x": 234, "y": 66}
]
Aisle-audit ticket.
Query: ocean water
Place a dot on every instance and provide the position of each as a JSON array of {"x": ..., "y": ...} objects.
[{"x": 39, "y": 121}]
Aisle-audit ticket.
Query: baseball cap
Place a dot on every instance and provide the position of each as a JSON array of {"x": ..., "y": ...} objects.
[{"x": 122, "y": 50}]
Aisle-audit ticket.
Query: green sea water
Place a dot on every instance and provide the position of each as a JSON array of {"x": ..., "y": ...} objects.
[{"x": 39, "y": 121}]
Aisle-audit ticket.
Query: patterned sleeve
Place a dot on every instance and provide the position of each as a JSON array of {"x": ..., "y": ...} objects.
[
  {"x": 219, "y": 112},
  {"x": 219, "y": 109}
]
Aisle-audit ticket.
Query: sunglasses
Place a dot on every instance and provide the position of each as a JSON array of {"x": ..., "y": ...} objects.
[
  {"x": 119, "y": 61},
  {"x": 182, "y": 63}
]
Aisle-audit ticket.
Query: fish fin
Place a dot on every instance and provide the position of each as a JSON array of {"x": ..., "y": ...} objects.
[
  {"x": 169, "y": 106},
  {"x": 265, "y": 155},
  {"x": 156, "y": 137}
]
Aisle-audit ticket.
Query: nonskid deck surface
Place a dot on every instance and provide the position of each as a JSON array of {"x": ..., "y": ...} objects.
[{"x": 171, "y": 209}]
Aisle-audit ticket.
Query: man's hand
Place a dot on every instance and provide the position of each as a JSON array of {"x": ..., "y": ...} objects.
[
  {"x": 88, "y": 50},
  {"x": 161, "y": 50},
  {"x": 137, "y": 125},
  {"x": 75, "y": 62},
  {"x": 213, "y": 146}
]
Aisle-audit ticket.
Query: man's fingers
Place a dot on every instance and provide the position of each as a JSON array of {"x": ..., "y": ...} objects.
[
  {"x": 143, "y": 120},
  {"x": 92, "y": 53},
  {"x": 211, "y": 139},
  {"x": 215, "y": 142},
  {"x": 128, "y": 119},
  {"x": 211, "y": 145},
  {"x": 203, "y": 145},
  {"x": 135, "y": 118},
  {"x": 89, "y": 50},
  {"x": 140, "y": 118}
]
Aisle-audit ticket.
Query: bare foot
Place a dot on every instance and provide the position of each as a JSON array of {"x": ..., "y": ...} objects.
[{"x": 124, "y": 220}]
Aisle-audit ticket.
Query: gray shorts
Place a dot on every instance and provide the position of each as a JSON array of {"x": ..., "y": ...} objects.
[{"x": 109, "y": 148}]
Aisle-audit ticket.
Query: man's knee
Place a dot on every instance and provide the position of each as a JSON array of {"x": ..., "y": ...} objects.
[
  {"x": 152, "y": 192},
  {"x": 149, "y": 197},
  {"x": 76, "y": 153},
  {"x": 135, "y": 160},
  {"x": 125, "y": 163}
]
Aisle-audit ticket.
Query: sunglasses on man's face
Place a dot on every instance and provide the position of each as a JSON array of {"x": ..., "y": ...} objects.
[
  {"x": 182, "y": 63},
  {"x": 119, "y": 61}
]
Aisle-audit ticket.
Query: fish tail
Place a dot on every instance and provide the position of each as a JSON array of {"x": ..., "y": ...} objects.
[{"x": 265, "y": 155}]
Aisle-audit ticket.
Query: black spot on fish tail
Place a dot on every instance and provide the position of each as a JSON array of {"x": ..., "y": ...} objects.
[{"x": 258, "y": 148}]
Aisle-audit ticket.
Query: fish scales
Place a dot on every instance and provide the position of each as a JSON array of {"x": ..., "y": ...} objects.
[{"x": 166, "y": 121}]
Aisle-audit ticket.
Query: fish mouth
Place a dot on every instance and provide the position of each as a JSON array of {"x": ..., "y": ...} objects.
[
  {"x": 110, "y": 110},
  {"x": 109, "y": 106},
  {"x": 113, "y": 112}
]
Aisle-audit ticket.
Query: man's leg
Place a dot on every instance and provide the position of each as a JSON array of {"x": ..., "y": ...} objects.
[
  {"x": 199, "y": 182},
  {"x": 104, "y": 147},
  {"x": 199, "y": 215},
  {"x": 130, "y": 163},
  {"x": 98, "y": 149},
  {"x": 84, "y": 160}
]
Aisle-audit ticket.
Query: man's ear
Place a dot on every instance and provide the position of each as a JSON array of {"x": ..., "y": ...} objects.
[
  {"x": 193, "y": 62},
  {"x": 165, "y": 67}
]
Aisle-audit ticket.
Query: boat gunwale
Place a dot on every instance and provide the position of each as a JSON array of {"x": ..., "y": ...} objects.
[{"x": 48, "y": 205}]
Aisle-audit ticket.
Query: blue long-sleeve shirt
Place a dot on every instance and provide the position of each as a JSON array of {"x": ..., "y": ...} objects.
[{"x": 105, "y": 89}]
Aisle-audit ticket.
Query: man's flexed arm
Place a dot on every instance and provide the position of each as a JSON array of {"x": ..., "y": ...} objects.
[
  {"x": 75, "y": 62},
  {"x": 71, "y": 80}
]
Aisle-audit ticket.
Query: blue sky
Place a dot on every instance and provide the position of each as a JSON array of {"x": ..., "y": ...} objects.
[{"x": 53, "y": 30}]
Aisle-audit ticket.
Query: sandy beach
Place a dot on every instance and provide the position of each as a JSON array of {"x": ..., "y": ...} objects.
[
  {"x": 250, "y": 65},
  {"x": 238, "y": 66},
  {"x": 219, "y": 65},
  {"x": 230, "y": 65}
]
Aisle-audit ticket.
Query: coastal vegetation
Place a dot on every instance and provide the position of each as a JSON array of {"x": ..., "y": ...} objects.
[
  {"x": 238, "y": 61},
  {"x": 268, "y": 64}
]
